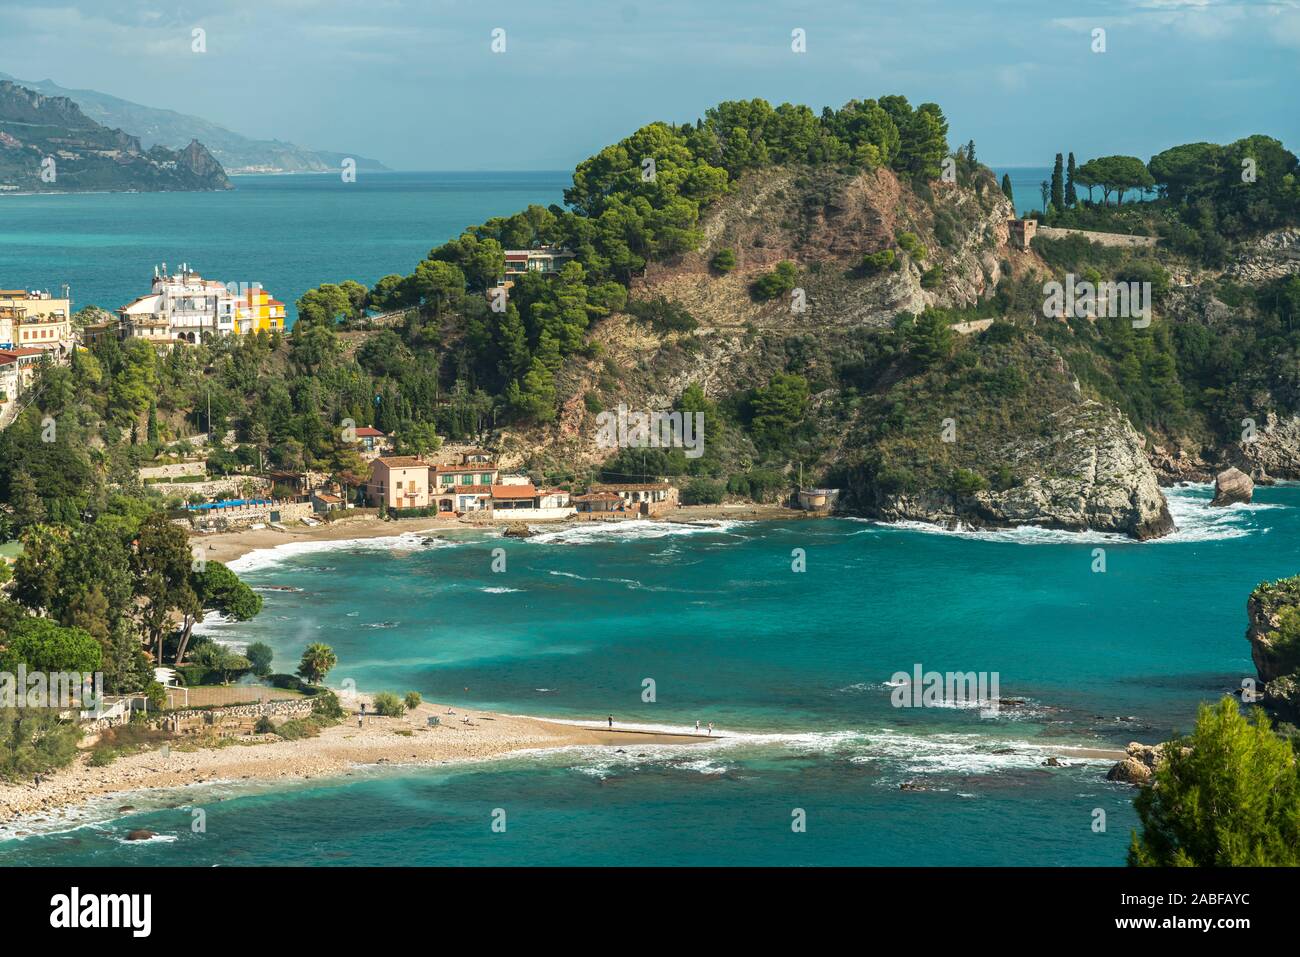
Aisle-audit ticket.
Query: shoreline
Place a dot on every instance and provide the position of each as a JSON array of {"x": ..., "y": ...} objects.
[
  {"x": 335, "y": 752},
  {"x": 227, "y": 547},
  {"x": 231, "y": 546},
  {"x": 338, "y": 752}
]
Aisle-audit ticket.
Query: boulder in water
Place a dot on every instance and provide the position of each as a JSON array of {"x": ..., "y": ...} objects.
[
  {"x": 140, "y": 835},
  {"x": 1232, "y": 486}
]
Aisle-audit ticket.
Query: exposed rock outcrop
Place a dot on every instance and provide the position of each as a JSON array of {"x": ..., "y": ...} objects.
[
  {"x": 1139, "y": 767},
  {"x": 1274, "y": 255},
  {"x": 1273, "y": 450},
  {"x": 1272, "y": 647},
  {"x": 1232, "y": 486},
  {"x": 1088, "y": 472}
]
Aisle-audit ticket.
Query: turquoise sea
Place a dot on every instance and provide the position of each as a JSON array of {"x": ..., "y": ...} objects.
[
  {"x": 792, "y": 667},
  {"x": 289, "y": 233}
]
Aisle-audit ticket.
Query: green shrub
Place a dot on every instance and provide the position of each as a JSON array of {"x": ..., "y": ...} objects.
[
  {"x": 326, "y": 706},
  {"x": 297, "y": 728},
  {"x": 964, "y": 482},
  {"x": 662, "y": 314},
  {"x": 911, "y": 244},
  {"x": 388, "y": 704},
  {"x": 932, "y": 277},
  {"x": 873, "y": 263},
  {"x": 776, "y": 283},
  {"x": 723, "y": 261},
  {"x": 412, "y": 700},
  {"x": 702, "y": 491},
  {"x": 264, "y": 725},
  {"x": 35, "y": 741}
]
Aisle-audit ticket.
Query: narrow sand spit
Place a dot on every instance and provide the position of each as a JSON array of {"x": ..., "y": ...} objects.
[{"x": 406, "y": 740}]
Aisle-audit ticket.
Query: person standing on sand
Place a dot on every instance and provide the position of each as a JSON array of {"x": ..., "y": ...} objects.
[
  {"x": 611, "y": 722},
  {"x": 697, "y": 725},
  {"x": 710, "y": 727}
]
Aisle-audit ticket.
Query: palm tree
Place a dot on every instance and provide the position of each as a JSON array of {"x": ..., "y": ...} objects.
[{"x": 316, "y": 663}]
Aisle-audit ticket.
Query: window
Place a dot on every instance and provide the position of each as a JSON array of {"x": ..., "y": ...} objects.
[
  {"x": 485, "y": 478},
  {"x": 447, "y": 480},
  {"x": 399, "y": 485},
  {"x": 467, "y": 479}
]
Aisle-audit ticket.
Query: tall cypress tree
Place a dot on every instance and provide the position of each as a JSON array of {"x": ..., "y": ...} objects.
[
  {"x": 1071, "y": 196},
  {"x": 1058, "y": 184},
  {"x": 1006, "y": 189},
  {"x": 970, "y": 152}
]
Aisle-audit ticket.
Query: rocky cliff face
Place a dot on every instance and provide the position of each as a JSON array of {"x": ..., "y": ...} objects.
[
  {"x": 1087, "y": 471},
  {"x": 47, "y": 144},
  {"x": 1277, "y": 660}
]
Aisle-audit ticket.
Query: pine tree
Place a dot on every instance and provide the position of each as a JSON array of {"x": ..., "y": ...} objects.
[
  {"x": 1058, "y": 184},
  {"x": 1227, "y": 796},
  {"x": 1071, "y": 196},
  {"x": 28, "y": 508}
]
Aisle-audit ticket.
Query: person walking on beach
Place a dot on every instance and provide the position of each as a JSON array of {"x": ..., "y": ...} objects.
[
  {"x": 611, "y": 722},
  {"x": 697, "y": 725},
  {"x": 710, "y": 727}
]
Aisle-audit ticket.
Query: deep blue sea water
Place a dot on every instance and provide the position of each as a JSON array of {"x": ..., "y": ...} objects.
[
  {"x": 793, "y": 668},
  {"x": 289, "y": 233}
]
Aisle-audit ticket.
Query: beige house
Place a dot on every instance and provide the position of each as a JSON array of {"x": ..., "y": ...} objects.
[
  {"x": 399, "y": 481},
  {"x": 31, "y": 319},
  {"x": 649, "y": 498}
]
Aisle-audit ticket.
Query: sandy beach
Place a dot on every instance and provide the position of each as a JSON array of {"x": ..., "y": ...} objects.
[
  {"x": 228, "y": 546},
  {"x": 405, "y": 740}
]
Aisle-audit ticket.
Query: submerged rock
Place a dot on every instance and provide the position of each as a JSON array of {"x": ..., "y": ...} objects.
[
  {"x": 1232, "y": 486},
  {"x": 140, "y": 835}
]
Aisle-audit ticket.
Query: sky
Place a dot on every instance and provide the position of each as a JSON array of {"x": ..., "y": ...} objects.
[{"x": 416, "y": 83}]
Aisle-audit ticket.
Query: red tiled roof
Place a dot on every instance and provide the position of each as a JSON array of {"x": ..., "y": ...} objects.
[
  {"x": 597, "y": 497},
  {"x": 514, "y": 491},
  {"x": 367, "y": 431},
  {"x": 402, "y": 461}
]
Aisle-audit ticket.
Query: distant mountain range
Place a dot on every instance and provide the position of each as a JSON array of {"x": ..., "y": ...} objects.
[
  {"x": 48, "y": 145},
  {"x": 237, "y": 153}
]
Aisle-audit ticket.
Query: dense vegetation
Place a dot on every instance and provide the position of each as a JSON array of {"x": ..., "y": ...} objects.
[{"x": 1228, "y": 795}]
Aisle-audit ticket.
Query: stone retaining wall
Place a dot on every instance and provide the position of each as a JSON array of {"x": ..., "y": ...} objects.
[{"x": 1102, "y": 239}]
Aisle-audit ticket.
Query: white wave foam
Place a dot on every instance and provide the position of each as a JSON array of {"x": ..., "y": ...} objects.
[
  {"x": 1198, "y": 521},
  {"x": 590, "y": 533},
  {"x": 278, "y": 554},
  {"x": 500, "y": 591}
]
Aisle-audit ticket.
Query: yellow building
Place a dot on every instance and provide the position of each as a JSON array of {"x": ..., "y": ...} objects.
[
  {"x": 30, "y": 319},
  {"x": 257, "y": 311}
]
